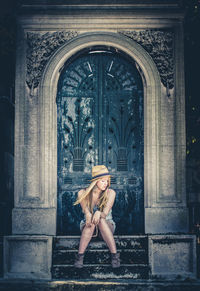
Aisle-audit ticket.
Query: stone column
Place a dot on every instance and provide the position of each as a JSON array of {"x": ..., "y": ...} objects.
[
  {"x": 28, "y": 252},
  {"x": 164, "y": 130},
  {"x": 166, "y": 210}
]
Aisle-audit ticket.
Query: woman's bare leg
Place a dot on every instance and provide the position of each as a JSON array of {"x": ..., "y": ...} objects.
[
  {"x": 107, "y": 235},
  {"x": 111, "y": 226},
  {"x": 85, "y": 238}
]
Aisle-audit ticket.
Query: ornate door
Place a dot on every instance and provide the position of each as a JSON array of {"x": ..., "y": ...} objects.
[{"x": 100, "y": 121}]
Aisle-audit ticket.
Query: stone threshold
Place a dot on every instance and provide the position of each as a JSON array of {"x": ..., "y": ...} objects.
[{"x": 109, "y": 285}]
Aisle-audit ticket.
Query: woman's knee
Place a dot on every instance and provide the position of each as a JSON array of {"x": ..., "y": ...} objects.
[
  {"x": 89, "y": 229},
  {"x": 111, "y": 226},
  {"x": 103, "y": 224}
]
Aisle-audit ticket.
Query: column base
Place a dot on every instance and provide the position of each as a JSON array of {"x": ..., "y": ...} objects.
[
  {"x": 27, "y": 257},
  {"x": 166, "y": 220},
  {"x": 39, "y": 221},
  {"x": 172, "y": 256}
]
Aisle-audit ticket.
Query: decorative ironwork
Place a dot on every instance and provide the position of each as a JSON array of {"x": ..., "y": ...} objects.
[
  {"x": 67, "y": 180},
  {"x": 122, "y": 130},
  {"x": 68, "y": 220},
  {"x": 78, "y": 134},
  {"x": 81, "y": 78},
  {"x": 159, "y": 44},
  {"x": 125, "y": 212},
  {"x": 100, "y": 99},
  {"x": 123, "y": 90},
  {"x": 40, "y": 48}
]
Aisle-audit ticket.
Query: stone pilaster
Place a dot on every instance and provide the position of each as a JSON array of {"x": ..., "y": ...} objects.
[{"x": 28, "y": 251}]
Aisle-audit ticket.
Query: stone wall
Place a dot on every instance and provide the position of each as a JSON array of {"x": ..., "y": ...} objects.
[{"x": 48, "y": 35}]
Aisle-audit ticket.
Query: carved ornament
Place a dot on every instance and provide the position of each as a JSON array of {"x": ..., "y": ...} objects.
[
  {"x": 40, "y": 47},
  {"x": 159, "y": 44}
]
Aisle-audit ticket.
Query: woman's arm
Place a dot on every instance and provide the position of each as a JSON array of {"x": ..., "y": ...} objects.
[
  {"x": 85, "y": 209},
  {"x": 109, "y": 204},
  {"x": 98, "y": 214},
  {"x": 107, "y": 208},
  {"x": 83, "y": 202}
]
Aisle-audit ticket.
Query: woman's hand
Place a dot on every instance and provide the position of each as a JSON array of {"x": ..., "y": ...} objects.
[
  {"x": 96, "y": 217},
  {"x": 88, "y": 218}
]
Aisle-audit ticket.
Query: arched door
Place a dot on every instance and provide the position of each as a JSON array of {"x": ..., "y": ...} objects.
[{"x": 100, "y": 121}]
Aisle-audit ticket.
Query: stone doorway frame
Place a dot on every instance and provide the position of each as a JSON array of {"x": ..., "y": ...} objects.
[
  {"x": 152, "y": 95},
  {"x": 36, "y": 143},
  {"x": 72, "y": 184}
]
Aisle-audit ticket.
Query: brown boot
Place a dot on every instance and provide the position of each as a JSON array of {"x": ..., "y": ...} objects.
[
  {"x": 115, "y": 260},
  {"x": 79, "y": 261}
]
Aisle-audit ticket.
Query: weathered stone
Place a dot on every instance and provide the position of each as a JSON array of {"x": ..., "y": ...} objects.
[
  {"x": 45, "y": 44},
  {"x": 97, "y": 261},
  {"x": 27, "y": 256},
  {"x": 133, "y": 250},
  {"x": 127, "y": 256},
  {"x": 34, "y": 221},
  {"x": 40, "y": 49},
  {"x": 172, "y": 256},
  {"x": 122, "y": 242},
  {"x": 101, "y": 272},
  {"x": 159, "y": 44},
  {"x": 99, "y": 285},
  {"x": 166, "y": 220}
]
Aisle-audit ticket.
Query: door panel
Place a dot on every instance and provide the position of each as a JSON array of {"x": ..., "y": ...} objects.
[{"x": 100, "y": 121}]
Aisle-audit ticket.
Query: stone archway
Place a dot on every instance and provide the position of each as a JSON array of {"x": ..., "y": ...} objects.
[{"x": 48, "y": 91}]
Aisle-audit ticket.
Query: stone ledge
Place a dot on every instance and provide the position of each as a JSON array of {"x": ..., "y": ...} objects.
[
  {"x": 27, "y": 257},
  {"x": 166, "y": 220},
  {"x": 38, "y": 221},
  {"x": 172, "y": 256},
  {"x": 109, "y": 285}
]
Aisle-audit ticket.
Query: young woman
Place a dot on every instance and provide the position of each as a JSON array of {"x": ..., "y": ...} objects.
[{"x": 96, "y": 202}]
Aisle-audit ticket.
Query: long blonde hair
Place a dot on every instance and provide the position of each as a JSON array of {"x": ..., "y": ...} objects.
[{"x": 88, "y": 196}]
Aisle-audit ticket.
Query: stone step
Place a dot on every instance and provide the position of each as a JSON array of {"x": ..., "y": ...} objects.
[
  {"x": 122, "y": 242},
  {"x": 133, "y": 252},
  {"x": 98, "y": 285},
  {"x": 100, "y": 272},
  {"x": 101, "y": 256}
]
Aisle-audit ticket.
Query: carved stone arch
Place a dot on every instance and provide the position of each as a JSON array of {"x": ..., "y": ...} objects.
[{"x": 48, "y": 109}]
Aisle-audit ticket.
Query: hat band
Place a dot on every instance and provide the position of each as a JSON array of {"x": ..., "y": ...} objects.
[{"x": 98, "y": 176}]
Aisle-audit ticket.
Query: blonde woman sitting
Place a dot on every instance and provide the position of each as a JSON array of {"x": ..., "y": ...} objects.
[{"x": 96, "y": 202}]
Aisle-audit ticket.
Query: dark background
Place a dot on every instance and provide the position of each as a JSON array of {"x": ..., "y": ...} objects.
[{"x": 8, "y": 12}]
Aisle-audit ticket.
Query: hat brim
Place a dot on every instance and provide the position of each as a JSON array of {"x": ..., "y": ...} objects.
[{"x": 100, "y": 176}]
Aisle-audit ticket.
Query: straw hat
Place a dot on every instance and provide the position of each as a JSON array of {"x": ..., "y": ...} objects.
[{"x": 98, "y": 173}]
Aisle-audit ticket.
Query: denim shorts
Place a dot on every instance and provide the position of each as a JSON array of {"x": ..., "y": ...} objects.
[{"x": 82, "y": 224}]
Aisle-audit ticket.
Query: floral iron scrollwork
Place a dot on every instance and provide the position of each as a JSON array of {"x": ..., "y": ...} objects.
[
  {"x": 122, "y": 129},
  {"x": 78, "y": 132}
]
